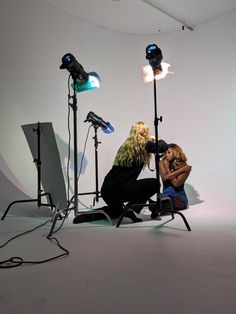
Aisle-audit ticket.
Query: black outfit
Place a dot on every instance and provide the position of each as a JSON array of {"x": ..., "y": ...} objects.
[{"x": 121, "y": 185}]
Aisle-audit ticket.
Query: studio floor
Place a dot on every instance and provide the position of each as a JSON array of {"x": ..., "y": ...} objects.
[{"x": 147, "y": 267}]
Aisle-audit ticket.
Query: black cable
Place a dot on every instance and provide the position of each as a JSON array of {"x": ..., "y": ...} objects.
[
  {"x": 16, "y": 261},
  {"x": 64, "y": 218},
  {"x": 150, "y": 168},
  {"x": 67, "y": 211},
  {"x": 82, "y": 158},
  {"x": 21, "y": 234},
  {"x": 160, "y": 156},
  {"x": 69, "y": 140},
  {"x": 81, "y": 164}
]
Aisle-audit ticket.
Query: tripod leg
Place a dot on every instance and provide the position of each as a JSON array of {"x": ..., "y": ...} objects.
[
  {"x": 181, "y": 215},
  {"x": 127, "y": 206},
  {"x": 53, "y": 223},
  {"x": 12, "y": 203},
  {"x": 50, "y": 199},
  {"x": 185, "y": 220},
  {"x": 121, "y": 217},
  {"x": 54, "y": 219},
  {"x": 94, "y": 200}
]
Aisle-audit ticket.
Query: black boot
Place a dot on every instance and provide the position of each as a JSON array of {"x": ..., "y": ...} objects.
[{"x": 131, "y": 215}]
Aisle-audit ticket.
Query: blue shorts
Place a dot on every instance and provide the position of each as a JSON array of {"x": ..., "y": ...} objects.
[{"x": 170, "y": 191}]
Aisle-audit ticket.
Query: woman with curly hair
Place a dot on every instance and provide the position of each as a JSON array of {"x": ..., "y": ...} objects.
[
  {"x": 174, "y": 171},
  {"x": 120, "y": 184}
]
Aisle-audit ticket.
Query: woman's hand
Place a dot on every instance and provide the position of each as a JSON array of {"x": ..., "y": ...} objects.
[
  {"x": 187, "y": 168},
  {"x": 177, "y": 177}
]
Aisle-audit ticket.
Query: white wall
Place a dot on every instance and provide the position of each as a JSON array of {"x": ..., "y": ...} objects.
[{"x": 197, "y": 102}]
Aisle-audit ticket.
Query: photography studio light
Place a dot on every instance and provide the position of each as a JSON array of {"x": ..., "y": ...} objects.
[
  {"x": 99, "y": 122},
  {"x": 83, "y": 81},
  {"x": 154, "y": 56},
  {"x": 147, "y": 72},
  {"x": 74, "y": 67},
  {"x": 156, "y": 67},
  {"x": 92, "y": 83}
]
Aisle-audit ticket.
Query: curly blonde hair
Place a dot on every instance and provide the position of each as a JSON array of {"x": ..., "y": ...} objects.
[
  {"x": 133, "y": 149},
  {"x": 180, "y": 158}
]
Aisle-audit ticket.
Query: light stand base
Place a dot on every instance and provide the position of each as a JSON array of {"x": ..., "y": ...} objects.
[
  {"x": 171, "y": 211},
  {"x": 28, "y": 201}
]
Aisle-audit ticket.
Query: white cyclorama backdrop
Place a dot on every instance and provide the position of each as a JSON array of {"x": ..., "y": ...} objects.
[{"x": 197, "y": 102}]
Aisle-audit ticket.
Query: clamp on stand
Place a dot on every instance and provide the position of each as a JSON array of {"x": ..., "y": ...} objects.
[
  {"x": 75, "y": 108},
  {"x": 154, "y": 55},
  {"x": 37, "y": 162},
  {"x": 156, "y": 211}
]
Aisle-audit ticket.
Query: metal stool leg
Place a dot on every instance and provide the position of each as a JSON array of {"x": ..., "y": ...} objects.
[
  {"x": 122, "y": 216},
  {"x": 171, "y": 211},
  {"x": 167, "y": 198}
]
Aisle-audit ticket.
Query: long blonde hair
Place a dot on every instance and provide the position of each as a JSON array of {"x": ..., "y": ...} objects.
[
  {"x": 133, "y": 149},
  {"x": 179, "y": 159}
]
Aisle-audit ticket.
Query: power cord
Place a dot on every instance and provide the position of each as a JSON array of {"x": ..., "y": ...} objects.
[{"x": 16, "y": 261}]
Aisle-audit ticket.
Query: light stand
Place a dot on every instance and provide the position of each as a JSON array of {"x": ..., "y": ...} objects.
[
  {"x": 154, "y": 55},
  {"x": 75, "y": 108},
  {"x": 37, "y": 162},
  {"x": 107, "y": 128},
  {"x": 156, "y": 211},
  {"x": 81, "y": 77},
  {"x": 96, "y": 142}
]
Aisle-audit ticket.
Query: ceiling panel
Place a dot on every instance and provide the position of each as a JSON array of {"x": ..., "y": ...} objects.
[{"x": 145, "y": 16}]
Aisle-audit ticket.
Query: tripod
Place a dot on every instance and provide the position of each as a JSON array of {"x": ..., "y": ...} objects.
[{"x": 37, "y": 161}]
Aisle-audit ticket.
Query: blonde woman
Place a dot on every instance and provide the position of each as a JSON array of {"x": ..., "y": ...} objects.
[
  {"x": 120, "y": 184},
  {"x": 174, "y": 171}
]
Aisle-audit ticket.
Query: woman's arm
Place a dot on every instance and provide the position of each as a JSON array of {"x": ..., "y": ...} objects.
[
  {"x": 180, "y": 179},
  {"x": 177, "y": 177}
]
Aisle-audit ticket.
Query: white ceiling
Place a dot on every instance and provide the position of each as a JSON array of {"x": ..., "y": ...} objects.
[{"x": 145, "y": 16}]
